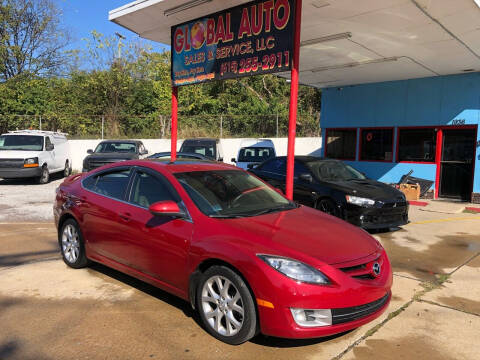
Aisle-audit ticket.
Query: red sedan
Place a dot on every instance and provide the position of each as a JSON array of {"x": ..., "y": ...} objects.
[{"x": 244, "y": 256}]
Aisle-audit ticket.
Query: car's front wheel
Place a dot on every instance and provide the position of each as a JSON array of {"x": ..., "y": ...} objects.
[
  {"x": 72, "y": 245},
  {"x": 226, "y": 306},
  {"x": 44, "y": 175},
  {"x": 327, "y": 206}
]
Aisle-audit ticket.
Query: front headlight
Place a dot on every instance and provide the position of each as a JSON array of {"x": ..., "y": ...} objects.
[
  {"x": 355, "y": 200},
  {"x": 296, "y": 270},
  {"x": 30, "y": 162}
]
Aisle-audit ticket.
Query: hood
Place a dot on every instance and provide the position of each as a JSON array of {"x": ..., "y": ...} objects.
[
  {"x": 18, "y": 154},
  {"x": 112, "y": 156},
  {"x": 368, "y": 188},
  {"x": 306, "y": 232}
]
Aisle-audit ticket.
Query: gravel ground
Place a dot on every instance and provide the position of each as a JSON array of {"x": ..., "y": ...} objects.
[{"x": 24, "y": 200}]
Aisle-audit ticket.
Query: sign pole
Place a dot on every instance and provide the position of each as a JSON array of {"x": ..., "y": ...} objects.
[
  {"x": 292, "y": 115},
  {"x": 173, "y": 135}
]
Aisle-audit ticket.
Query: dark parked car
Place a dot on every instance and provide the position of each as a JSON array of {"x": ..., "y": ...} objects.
[
  {"x": 209, "y": 148},
  {"x": 338, "y": 189},
  {"x": 111, "y": 151},
  {"x": 180, "y": 155},
  {"x": 244, "y": 256}
]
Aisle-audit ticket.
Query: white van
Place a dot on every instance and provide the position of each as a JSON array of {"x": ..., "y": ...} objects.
[
  {"x": 254, "y": 151},
  {"x": 34, "y": 154}
]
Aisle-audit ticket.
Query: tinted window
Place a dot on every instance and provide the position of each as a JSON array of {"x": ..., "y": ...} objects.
[
  {"x": 230, "y": 193},
  {"x": 341, "y": 144},
  {"x": 334, "y": 171},
  {"x": 21, "y": 142},
  {"x": 276, "y": 166},
  {"x": 417, "y": 145},
  {"x": 148, "y": 189},
  {"x": 111, "y": 184},
  {"x": 205, "y": 150},
  {"x": 255, "y": 154},
  {"x": 123, "y": 147},
  {"x": 377, "y": 144},
  {"x": 300, "y": 169}
]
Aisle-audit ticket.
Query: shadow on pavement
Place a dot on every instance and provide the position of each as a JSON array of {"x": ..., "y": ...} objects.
[
  {"x": 19, "y": 259},
  {"x": 148, "y": 289},
  {"x": 292, "y": 343}
]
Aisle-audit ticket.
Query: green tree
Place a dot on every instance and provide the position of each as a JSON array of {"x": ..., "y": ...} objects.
[{"x": 31, "y": 38}]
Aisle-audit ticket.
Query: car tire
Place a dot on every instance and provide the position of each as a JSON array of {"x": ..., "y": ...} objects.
[
  {"x": 44, "y": 176},
  {"x": 327, "y": 206},
  {"x": 72, "y": 245},
  {"x": 226, "y": 306},
  {"x": 67, "y": 170}
]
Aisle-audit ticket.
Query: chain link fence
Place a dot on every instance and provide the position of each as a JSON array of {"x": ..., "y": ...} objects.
[{"x": 158, "y": 125}]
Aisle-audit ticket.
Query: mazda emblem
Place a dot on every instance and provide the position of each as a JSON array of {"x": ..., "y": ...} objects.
[{"x": 376, "y": 269}]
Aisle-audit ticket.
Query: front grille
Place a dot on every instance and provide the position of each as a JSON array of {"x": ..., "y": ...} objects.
[
  {"x": 11, "y": 163},
  {"x": 362, "y": 271},
  {"x": 344, "y": 315},
  {"x": 399, "y": 204}
]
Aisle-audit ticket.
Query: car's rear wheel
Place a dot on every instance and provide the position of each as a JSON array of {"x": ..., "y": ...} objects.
[
  {"x": 44, "y": 175},
  {"x": 327, "y": 206},
  {"x": 72, "y": 245},
  {"x": 226, "y": 306}
]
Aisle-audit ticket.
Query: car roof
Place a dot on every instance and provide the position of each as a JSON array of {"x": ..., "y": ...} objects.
[
  {"x": 123, "y": 141},
  {"x": 306, "y": 158},
  {"x": 180, "y": 165},
  {"x": 256, "y": 143},
  {"x": 200, "y": 140}
]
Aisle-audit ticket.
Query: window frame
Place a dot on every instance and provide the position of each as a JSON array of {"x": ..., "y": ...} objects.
[
  {"x": 340, "y": 129},
  {"x": 397, "y": 155},
  {"x": 362, "y": 129},
  {"x": 107, "y": 171},
  {"x": 160, "y": 177}
]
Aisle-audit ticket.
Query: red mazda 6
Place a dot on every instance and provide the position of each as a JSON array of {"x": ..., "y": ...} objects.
[{"x": 246, "y": 258}]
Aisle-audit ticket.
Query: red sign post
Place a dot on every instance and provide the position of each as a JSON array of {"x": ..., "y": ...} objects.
[{"x": 255, "y": 38}]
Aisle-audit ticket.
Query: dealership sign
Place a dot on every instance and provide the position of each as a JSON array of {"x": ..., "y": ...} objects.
[{"x": 250, "y": 39}]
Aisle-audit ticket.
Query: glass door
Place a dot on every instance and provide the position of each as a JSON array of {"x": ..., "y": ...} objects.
[{"x": 456, "y": 165}]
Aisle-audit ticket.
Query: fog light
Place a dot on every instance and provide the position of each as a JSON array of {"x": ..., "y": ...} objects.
[{"x": 313, "y": 317}]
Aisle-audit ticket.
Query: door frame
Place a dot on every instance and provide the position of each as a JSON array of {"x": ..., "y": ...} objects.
[{"x": 439, "y": 152}]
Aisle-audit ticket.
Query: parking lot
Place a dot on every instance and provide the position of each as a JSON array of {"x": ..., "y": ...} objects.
[{"x": 49, "y": 311}]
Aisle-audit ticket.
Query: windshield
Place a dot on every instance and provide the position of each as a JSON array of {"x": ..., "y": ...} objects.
[
  {"x": 121, "y": 147},
  {"x": 205, "y": 150},
  {"x": 334, "y": 171},
  {"x": 21, "y": 142},
  {"x": 231, "y": 193},
  {"x": 255, "y": 154}
]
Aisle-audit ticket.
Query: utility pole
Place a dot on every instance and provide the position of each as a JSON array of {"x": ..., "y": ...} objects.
[
  {"x": 119, "y": 44},
  {"x": 221, "y": 126}
]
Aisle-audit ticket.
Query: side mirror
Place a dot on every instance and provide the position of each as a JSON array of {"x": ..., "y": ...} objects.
[
  {"x": 166, "y": 208},
  {"x": 89, "y": 151},
  {"x": 234, "y": 160},
  {"x": 251, "y": 166},
  {"x": 306, "y": 177},
  {"x": 50, "y": 147},
  {"x": 220, "y": 159}
]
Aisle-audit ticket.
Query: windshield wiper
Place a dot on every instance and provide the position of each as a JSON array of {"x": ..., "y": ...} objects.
[
  {"x": 288, "y": 206},
  {"x": 233, "y": 216}
]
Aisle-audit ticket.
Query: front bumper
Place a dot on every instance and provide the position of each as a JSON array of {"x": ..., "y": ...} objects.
[
  {"x": 376, "y": 217},
  {"x": 17, "y": 173},
  {"x": 354, "y": 302}
]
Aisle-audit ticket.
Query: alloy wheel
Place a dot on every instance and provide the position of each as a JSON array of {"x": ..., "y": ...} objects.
[
  {"x": 70, "y": 243},
  {"x": 222, "y": 305}
]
